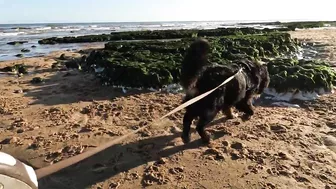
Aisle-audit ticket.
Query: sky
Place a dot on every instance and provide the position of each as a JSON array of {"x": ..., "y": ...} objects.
[{"x": 55, "y": 11}]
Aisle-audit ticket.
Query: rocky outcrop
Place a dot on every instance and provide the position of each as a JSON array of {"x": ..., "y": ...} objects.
[{"x": 16, "y": 42}]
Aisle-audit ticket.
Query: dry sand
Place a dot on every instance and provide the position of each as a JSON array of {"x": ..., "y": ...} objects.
[{"x": 70, "y": 113}]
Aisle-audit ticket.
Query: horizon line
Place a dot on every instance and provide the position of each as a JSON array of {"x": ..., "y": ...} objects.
[{"x": 237, "y": 21}]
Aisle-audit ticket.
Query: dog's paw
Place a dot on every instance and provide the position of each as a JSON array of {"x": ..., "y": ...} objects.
[
  {"x": 246, "y": 117},
  {"x": 206, "y": 138},
  {"x": 185, "y": 138}
]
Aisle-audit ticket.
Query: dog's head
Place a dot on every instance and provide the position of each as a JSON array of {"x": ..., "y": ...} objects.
[
  {"x": 200, "y": 46},
  {"x": 199, "y": 49},
  {"x": 195, "y": 59},
  {"x": 264, "y": 77}
]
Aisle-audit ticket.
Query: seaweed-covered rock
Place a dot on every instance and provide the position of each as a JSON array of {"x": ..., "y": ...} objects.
[
  {"x": 305, "y": 75},
  {"x": 301, "y": 25},
  {"x": 157, "y": 63},
  {"x": 19, "y": 55},
  {"x": 154, "y": 63},
  {"x": 158, "y": 34}
]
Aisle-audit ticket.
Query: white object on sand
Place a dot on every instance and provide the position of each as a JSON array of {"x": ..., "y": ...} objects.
[{"x": 15, "y": 174}]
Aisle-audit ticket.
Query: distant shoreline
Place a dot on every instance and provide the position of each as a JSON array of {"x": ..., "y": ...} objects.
[{"x": 121, "y": 22}]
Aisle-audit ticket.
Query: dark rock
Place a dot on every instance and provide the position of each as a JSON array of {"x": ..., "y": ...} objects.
[
  {"x": 62, "y": 57},
  {"x": 33, "y": 46},
  {"x": 158, "y": 34},
  {"x": 21, "y": 28},
  {"x": 19, "y": 55},
  {"x": 37, "y": 80},
  {"x": 10, "y": 140},
  {"x": 34, "y": 146},
  {"x": 72, "y": 64},
  {"x": 25, "y": 50},
  {"x": 20, "y": 131},
  {"x": 20, "y": 68},
  {"x": 17, "y": 42}
]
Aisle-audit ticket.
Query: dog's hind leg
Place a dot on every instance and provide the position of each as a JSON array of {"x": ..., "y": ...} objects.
[
  {"x": 187, "y": 120},
  {"x": 204, "y": 121}
]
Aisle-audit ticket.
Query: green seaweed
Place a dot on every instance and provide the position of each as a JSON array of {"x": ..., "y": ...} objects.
[
  {"x": 307, "y": 75},
  {"x": 155, "y": 63},
  {"x": 158, "y": 34}
]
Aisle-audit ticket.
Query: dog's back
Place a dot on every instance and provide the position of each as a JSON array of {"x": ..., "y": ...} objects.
[{"x": 211, "y": 77}]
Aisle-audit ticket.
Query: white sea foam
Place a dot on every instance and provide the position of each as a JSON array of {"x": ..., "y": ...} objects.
[
  {"x": 99, "y": 28},
  {"x": 295, "y": 95},
  {"x": 43, "y": 28},
  {"x": 7, "y": 34}
]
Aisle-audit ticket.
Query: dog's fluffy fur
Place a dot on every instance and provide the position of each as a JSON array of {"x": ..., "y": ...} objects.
[{"x": 199, "y": 76}]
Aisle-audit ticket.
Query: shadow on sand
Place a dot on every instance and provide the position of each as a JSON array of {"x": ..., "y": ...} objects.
[
  {"x": 71, "y": 86},
  {"x": 116, "y": 159}
]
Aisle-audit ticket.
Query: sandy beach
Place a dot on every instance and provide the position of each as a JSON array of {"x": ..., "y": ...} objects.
[{"x": 70, "y": 112}]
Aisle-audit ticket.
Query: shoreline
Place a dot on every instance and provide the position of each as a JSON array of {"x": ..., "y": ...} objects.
[{"x": 65, "y": 30}]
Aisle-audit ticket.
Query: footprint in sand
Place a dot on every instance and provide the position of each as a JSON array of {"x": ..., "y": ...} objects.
[
  {"x": 330, "y": 142},
  {"x": 80, "y": 118}
]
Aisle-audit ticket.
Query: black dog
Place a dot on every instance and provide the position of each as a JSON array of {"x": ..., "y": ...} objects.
[{"x": 199, "y": 76}]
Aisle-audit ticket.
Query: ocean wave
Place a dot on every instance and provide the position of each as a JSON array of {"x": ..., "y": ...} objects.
[
  {"x": 100, "y": 28},
  {"x": 44, "y": 28},
  {"x": 67, "y": 29},
  {"x": 7, "y": 34}
]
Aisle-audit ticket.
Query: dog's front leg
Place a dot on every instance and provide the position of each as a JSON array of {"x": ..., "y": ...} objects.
[
  {"x": 187, "y": 120},
  {"x": 204, "y": 121},
  {"x": 246, "y": 106}
]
